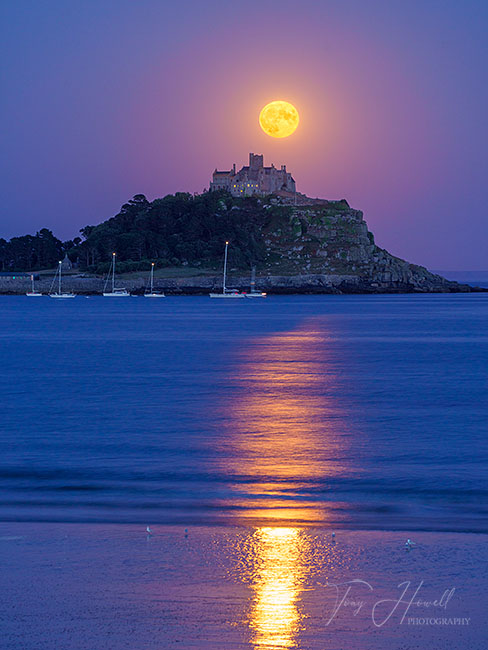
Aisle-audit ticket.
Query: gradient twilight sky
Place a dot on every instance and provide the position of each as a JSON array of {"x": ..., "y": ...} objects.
[{"x": 103, "y": 99}]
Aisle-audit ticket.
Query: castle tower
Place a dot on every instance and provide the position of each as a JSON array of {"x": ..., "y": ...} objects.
[{"x": 256, "y": 161}]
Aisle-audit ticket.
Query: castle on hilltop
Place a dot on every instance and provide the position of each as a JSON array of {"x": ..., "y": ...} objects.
[{"x": 254, "y": 178}]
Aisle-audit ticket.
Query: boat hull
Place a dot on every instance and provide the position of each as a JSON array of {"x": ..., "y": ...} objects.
[
  {"x": 34, "y": 294},
  {"x": 62, "y": 296},
  {"x": 226, "y": 295},
  {"x": 116, "y": 294},
  {"x": 154, "y": 295},
  {"x": 255, "y": 295}
]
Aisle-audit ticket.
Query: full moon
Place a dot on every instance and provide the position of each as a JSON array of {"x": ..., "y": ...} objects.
[{"x": 279, "y": 119}]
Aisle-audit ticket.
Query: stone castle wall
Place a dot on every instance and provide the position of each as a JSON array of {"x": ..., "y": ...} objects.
[{"x": 253, "y": 179}]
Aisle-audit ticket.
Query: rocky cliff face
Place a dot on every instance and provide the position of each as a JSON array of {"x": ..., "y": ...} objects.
[{"x": 327, "y": 244}]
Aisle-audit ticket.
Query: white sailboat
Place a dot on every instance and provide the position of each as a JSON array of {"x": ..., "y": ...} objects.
[
  {"x": 227, "y": 293},
  {"x": 254, "y": 293},
  {"x": 59, "y": 293},
  {"x": 33, "y": 292},
  {"x": 151, "y": 293},
  {"x": 116, "y": 292}
]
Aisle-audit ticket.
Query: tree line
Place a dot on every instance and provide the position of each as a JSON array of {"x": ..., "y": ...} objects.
[
  {"x": 33, "y": 252},
  {"x": 179, "y": 229}
]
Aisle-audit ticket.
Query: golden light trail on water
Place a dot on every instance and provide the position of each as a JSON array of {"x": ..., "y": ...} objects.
[
  {"x": 285, "y": 432},
  {"x": 277, "y": 577},
  {"x": 285, "y": 435}
]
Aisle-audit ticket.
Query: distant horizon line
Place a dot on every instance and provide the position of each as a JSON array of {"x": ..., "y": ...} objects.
[{"x": 443, "y": 271}]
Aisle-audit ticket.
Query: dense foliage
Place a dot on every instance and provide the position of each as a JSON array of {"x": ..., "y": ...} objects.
[
  {"x": 33, "y": 252},
  {"x": 177, "y": 229}
]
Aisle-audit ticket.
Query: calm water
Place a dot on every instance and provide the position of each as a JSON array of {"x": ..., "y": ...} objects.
[{"x": 356, "y": 411}]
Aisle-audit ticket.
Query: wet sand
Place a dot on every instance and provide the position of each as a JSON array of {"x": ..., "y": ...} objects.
[{"x": 90, "y": 586}]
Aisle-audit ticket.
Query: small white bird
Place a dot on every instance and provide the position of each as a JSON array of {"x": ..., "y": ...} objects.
[
  {"x": 409, "y": 544},
  {"x": 149, "y": 531}
]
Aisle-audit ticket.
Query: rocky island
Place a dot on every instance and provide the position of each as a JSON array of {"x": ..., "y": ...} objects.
[{"x": 296, "y": 244}]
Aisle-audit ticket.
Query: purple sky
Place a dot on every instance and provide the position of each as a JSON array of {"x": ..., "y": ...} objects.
[{"x": 104, "y": 99}]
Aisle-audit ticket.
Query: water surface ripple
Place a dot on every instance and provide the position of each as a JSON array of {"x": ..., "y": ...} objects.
[{"x": 353, "y": 411}]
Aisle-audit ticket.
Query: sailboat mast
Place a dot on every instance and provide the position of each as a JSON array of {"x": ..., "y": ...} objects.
[
  {"x": 253, "y": 278},
  {"x": 113, "y": 272},
  {"x": 59, "y": 278},
  {"x": 152, "y": 276},
  {"x": 32, "y": 283},
  {"x": 225, "y": 265}
]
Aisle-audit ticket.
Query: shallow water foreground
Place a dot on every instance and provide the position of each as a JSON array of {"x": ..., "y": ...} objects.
[{"x": 86, "y": 586}]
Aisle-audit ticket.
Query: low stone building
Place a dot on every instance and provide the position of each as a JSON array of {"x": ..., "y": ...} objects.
[
  {"x": 66, "y": 264},
  {"x": 254, "y": 178}
]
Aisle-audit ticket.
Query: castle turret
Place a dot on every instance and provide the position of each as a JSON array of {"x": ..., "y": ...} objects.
[{"x": 256, "y": 161}]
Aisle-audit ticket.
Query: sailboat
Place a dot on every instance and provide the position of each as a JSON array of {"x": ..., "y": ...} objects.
[
  {"x": 59, "y": 293},
  {"x": 33, "y": 292},
  {"x": 227, "y": 293},
  {"x": 116, "y": 292},
  {"x": 254, "y": 293},
  {"x": 151, "y": 293}
]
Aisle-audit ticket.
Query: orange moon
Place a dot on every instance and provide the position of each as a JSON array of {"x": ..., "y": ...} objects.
[{"x": 279, "y": 119}]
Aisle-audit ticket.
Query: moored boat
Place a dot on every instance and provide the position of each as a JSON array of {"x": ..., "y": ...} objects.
[
  {"x": 227, "y": 293},
  {"x": 116, "y": 292},
  {"x": 254, "y": 293},
  {"x": 59, "y": 293},
  {"x": 152, "y": 293},
  {"x": 33, "y": 293}
]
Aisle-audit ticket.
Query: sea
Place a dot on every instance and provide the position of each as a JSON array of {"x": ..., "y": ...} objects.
[{"x": 361, "y": 412}]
